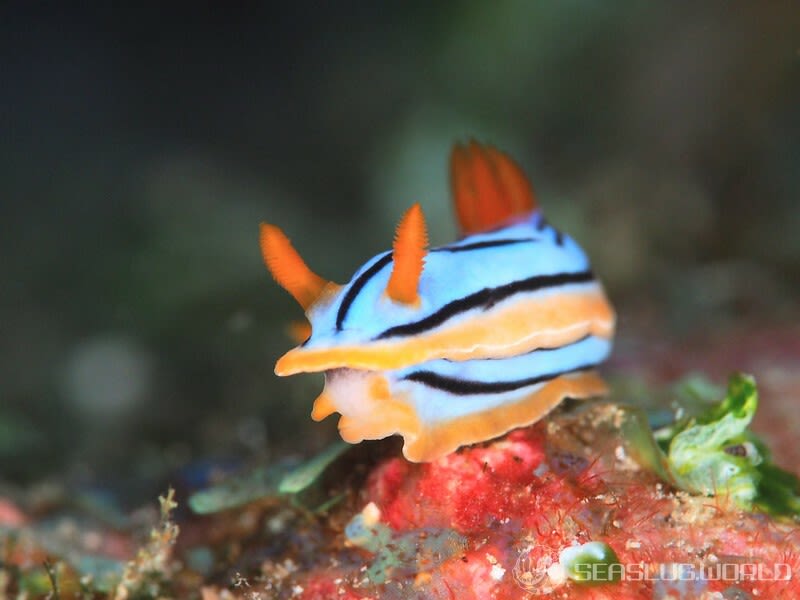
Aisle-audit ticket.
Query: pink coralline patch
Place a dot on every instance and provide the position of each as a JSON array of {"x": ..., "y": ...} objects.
[
  {"x": 468, "y": 490},
  {"x": 325, "y": 588},
  {"x": 472, "y": 575},
  {"x": 520, "y": 500}
]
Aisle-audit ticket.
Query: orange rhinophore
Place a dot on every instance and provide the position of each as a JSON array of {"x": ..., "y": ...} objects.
[
  {"x": 288, "y": 269},
  {"x": 408, "y": 257},
  {"x": 489, "y": 188}
]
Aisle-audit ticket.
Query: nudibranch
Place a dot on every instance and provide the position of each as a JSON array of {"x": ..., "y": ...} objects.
[{"x": 457, "y": 344}]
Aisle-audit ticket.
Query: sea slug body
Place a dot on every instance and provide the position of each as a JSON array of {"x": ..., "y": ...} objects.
[{"x": 456, "y": 344}]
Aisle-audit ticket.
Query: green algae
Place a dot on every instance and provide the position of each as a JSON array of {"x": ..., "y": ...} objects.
[
  {"x": 592, "y": 562},
  {"x": 287, "y": 478},
  {"x": 302, "y": 477},
  {"x": 713, "y": 452},
  {"x": 238, "y": 490},
  {"x": 707, "y": 446}
]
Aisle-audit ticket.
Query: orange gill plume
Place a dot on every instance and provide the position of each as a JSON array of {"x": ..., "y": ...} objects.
[
  {"x": 287, "y": 268},
  {"x": 489, "y": 188},
  {"x": 408, "y": 256}
]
